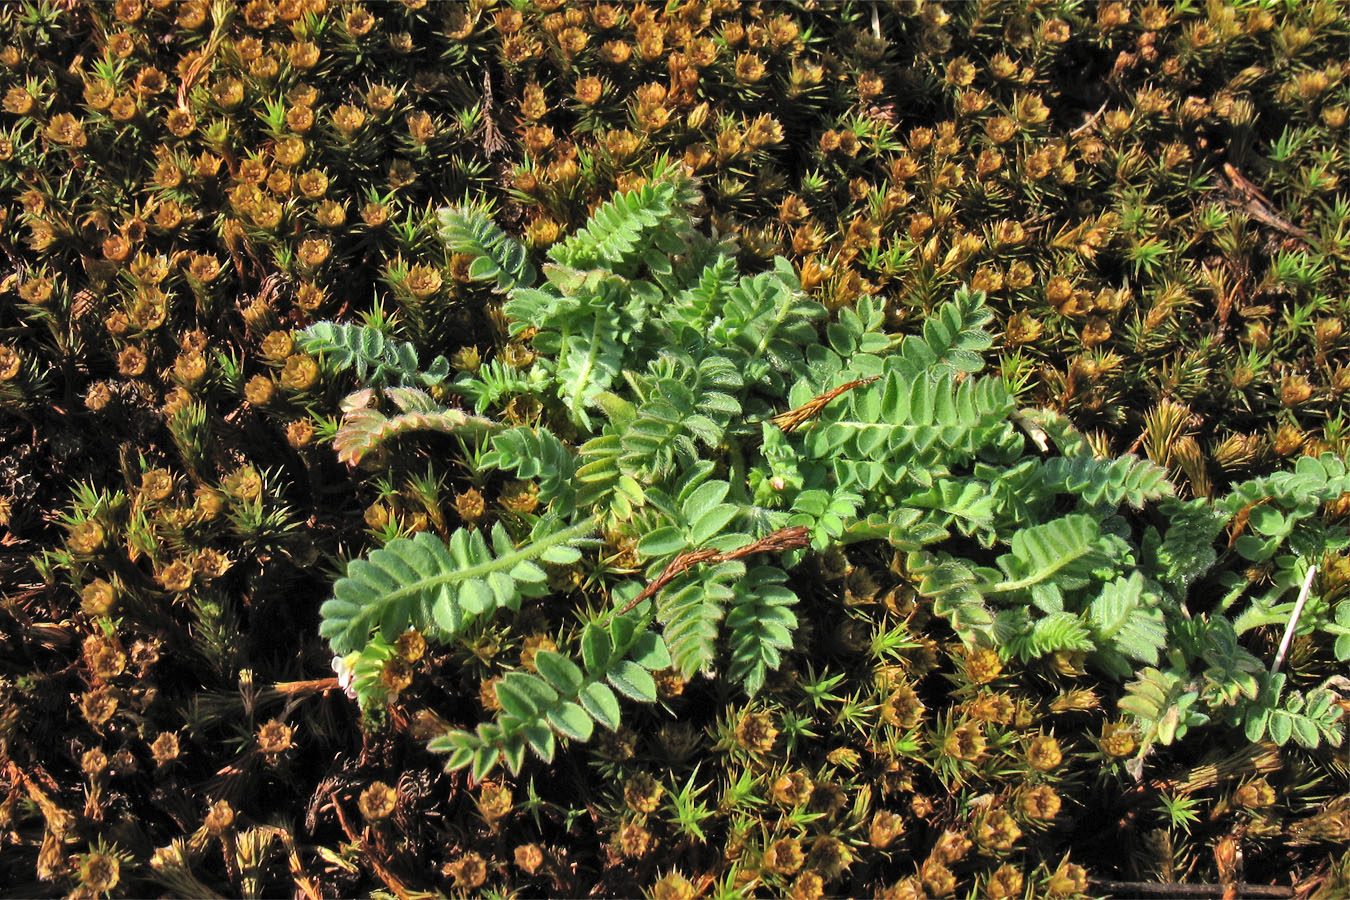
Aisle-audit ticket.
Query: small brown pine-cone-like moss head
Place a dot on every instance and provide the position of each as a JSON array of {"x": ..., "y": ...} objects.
[
  {"x": 259, "y": 14},
  {"x": 1020, "y": 275},
  {"x": 190, "y": 369},
  {"x": 86, "y": 538},
  {"x": 207, "y": 503},
  {"x": 469, "y": 871},
  {"x": 18, "y": 101},
  {"x": 965, "y": 742},
  {"x": 1004, "y": 883},
  {"x": 402, "y": 173},
  {"x": 487, "y": 694},
  {"x": 885, "y": 828},
  {"x": 376, "y": 214},
  {"x": 673, "y": 886},
  {"x": 829, "y": 856},
  {"x": 277, "y": 346},
  {"x": 104, "y": 657},
  {"x": 313, "y": 184},
  {"x": 1340, "y": 380},
  {"x": 314, "y": 251},
  {"x": 1068, "y": 880},
  {"x": 827, "y": 798},
  {"x": 670, "y": 683},
  {"x": 520, "y": 497},
  {"x": 542, "y": 232},
  {"x": 938, "y": 880},
  {"x": 991, "y": 707},
  {"x": 94, "y": 762},
  {"x": 309, "y": 296},
  {"x": 300, "y": 373},
  {"x": 784, "y": 856},
  {"x": 1295, "y": 390},
  {"x": 1044, "y": 754},
  {"x": 275, "y": 737},
  {"x": 131, "y": 362},
  {"x": 377, "y": 801},
  {"x": 331, "y": 214},
  {"x": 792, "y": 789},
  {"x": 1289, "y": 440},
  {"x": 588, "y": 91},
  {"x": 290, "y": 151},
  {"x": 165, "y": 749},
  {"x": 300, "y": 119},
  {"x": 395, "y": 676},
  {"x": 807, "y": 886},
  {"x": 176, "y": 577},
  {"x": 996, "y": 831},
  {"x": 380, "y": 98},
  {"x": 903, "y": 709},
  {"x": 423, "y": 280},
  {"x": 98, "y": 598},
  {"x": 99, "y": 872},
  {"x": 642, "y": 793},
  {"x": 144, "y": 654},
  {"x": 529, "y": 858},
  {"x": 470, "y": 505},
  {"x": 300, "y": 433},
  {"x": 10, "y": 363},
  {"x": 633, "y": 840},
  {"x": 756, "y": 733},
  {"x": 1255, "y": 794},
  {"x": 303, "y": 55},
  {"x": 951, "y": 847},
  {"x": 98, "y": 706},
  {"x": 203, "y": 267},
  {"x": 982, "y": 665},
  {"x": 494, "y": 801},
  {"x": 359, "y": 21},
  {"x": 243, "y": 483},
  {"x": 65, "y": 128},
  {"x": 410, "y": 646},
  {"x": 1040, "y": 804},
  {"x": 910, "y": 888},
  {"x": 36, "y": 291}
]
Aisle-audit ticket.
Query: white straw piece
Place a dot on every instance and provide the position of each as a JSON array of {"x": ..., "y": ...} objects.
[{"x": 1293, "y": 620}]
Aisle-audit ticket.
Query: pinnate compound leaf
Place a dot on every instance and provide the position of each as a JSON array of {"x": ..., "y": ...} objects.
[
  {"x": 496, "y": 255},
  {"x": 376, "y": 358},
  {"x": 418, "y": 581}
]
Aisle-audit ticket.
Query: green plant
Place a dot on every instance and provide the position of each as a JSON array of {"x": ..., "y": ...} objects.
[{"x": 705, "y": 417}]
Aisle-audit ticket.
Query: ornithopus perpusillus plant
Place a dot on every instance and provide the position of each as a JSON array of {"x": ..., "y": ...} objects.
[{"x": 724, "y": 424}]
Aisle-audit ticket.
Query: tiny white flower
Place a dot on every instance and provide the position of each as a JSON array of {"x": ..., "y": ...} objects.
[{"x": 344, "y": 666}]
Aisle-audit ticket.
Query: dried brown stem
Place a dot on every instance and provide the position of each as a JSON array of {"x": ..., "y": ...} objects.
[
  {"x": 313, "y": 686},
  {"x": 390, "y": 880},
  {"x": 793, "y": 538},
  {"x": 1258, "y": 205},
  {"x": 1175, "y": 889},
  {"x": 795, "y": 418}
]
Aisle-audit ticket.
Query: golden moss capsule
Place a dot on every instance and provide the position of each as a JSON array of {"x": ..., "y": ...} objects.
[
  {"x": 1041, "y": 803},
  {"x": 642, "y": 793},
  {"x": 784, "y": 856},
  {"x": 634, "y": 841},
  {"x": 377, "y": 801},
  {"x": 165, "y": 749},
  {"x": 529, "y": 858}
]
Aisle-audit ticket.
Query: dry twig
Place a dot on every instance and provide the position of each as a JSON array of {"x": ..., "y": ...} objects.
[{"x": 793, "y": 538}]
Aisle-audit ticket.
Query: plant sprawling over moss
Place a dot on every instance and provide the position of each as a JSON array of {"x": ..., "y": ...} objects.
[{"x": 936, "y": 410}]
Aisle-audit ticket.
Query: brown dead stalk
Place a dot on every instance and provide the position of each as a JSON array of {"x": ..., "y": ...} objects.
[{"x": 793, "y": 538}]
